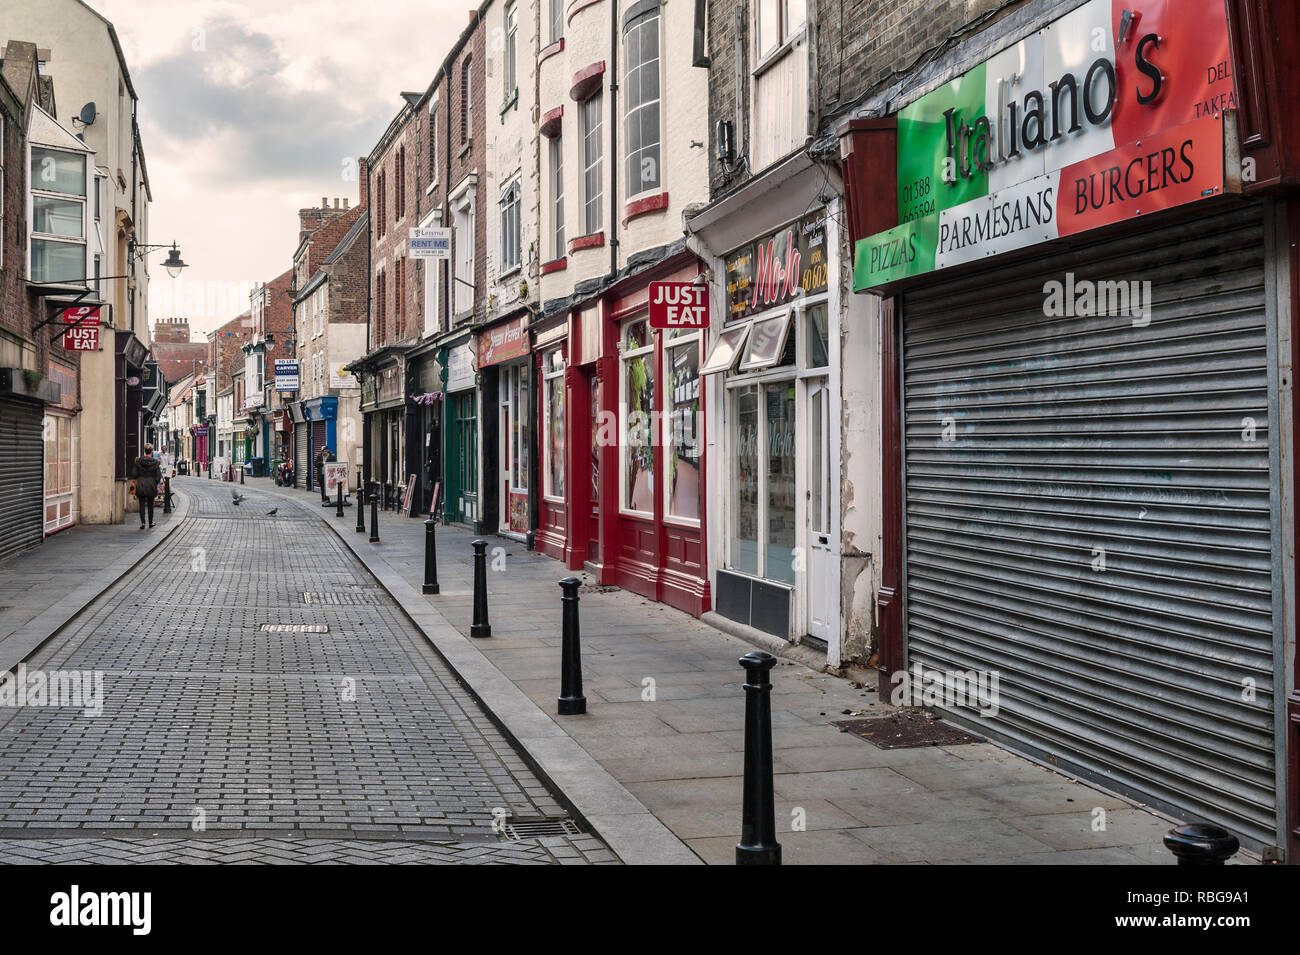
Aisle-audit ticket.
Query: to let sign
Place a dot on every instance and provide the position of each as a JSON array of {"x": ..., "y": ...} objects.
[
  {"x": 679, "y": 305},
  {"x": 82, "y": 333}
]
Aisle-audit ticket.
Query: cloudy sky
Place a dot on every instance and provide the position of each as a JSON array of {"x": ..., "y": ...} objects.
[{"x": 250, "y": 111}]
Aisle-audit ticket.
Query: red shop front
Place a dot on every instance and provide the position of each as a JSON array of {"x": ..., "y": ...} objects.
[{"x": 621, "y": 440}]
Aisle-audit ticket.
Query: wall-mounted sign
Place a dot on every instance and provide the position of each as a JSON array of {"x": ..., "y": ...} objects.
[
  {"x": 460, "y": 368},
  {"x": 286, "y": 374},
  {"x": 82, "y": 333},
  {"x": 340, "y": 377},
  {"x": 778, "y": 267},
  {"x": 1102, "y": 116},
  {"x": 502, "y": 343},
  {"x": 679, "y": 305},
  {"x": 432, "y": 243}
]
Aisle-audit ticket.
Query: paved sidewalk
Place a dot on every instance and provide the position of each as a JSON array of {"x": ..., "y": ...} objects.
[
  {"x": 44, "y": 587},
  {"x": 679, "y": 749}
]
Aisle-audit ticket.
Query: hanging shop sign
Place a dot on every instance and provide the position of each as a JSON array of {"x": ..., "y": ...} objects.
[
  {"x": 503, "y": 342},
  {"x": 460, "y": 368},
  {"x": 679, "y": 305},
  {"x": 286, "y": 374},
  {"x": 1111, "y": 112},
  {"x": 82, "y": 332},
  {"x": 777, "y": 268}
]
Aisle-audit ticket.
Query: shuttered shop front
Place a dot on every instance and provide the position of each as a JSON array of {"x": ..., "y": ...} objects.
[
  {"x": 1091, "y": 512},
  {"x": 301, "y": 459},
  {"x": 22, "y": 469}
]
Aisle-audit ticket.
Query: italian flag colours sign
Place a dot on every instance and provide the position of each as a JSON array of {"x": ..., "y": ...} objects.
[{"x": 1111, "y": 112}]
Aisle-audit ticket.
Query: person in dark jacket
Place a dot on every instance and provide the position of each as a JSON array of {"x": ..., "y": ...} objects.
[
  {"x": 148, "y": 472},
  {"x": 323, "y": 457}
]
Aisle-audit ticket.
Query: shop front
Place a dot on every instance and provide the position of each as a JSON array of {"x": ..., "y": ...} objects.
[
  {"x": 320, "y": 430},
  {"x": 1087, "y": 407},
  {"x": 775, "y": 426},
  {"x": 302, "y": 459},
  {"x": 425, "y": 424},
  {"x": 504, "y": 361},
  {"x": 462, "y": 434},
  {"x": 622, "y": 409},
  {"x": 62, "y": 428},
  {"x": 383, "y": 408}
]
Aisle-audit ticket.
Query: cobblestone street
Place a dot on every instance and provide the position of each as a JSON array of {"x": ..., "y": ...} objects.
[{"x": 264, "y": 701}]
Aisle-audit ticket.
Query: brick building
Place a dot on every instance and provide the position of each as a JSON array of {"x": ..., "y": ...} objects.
[{"x": 39, "y": 379}]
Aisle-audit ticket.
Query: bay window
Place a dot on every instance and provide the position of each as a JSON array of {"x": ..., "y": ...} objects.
[{"x": 58, "y": 224}]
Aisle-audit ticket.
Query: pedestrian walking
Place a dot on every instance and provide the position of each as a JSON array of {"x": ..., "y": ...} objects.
[{"x": 147, "y": 474}]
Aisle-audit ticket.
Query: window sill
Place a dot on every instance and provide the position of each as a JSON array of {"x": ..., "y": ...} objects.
[
  {"x": 644, "y": 206},
  {"x": 468, "y": 145},
  {"x": 509, "y": 104},
  {"x": 510, "y": 272},
  {"x": 555, "y": 265},
  {"x": 593, "y": 241},
  {"x": 550, "y": 51},
  {"x": 432, "y": 186},
  {"x": 779, "y": 53}
]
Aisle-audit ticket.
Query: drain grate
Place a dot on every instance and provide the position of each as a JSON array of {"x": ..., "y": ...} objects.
[
  {"x": 534, "y": 829},
  {"x": 365, "y": 598},
  {"x": 295, "y": 628}
]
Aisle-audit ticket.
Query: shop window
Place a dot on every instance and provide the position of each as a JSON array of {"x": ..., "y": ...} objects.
[
  {"x": 638, "y": 405},
  {"x": 816, "y": 339},
  {"x": 553, "y": 396},
  {"x": 744, "y": 480},
  {"x": 767, "y": 341},
  {"x": 726, "y": 350},
  {"x": 682, "y": 428},
  {"x": 778, "y": 404}
]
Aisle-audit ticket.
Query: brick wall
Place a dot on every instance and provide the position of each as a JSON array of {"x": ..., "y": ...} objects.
[{"x": 857, "y": 44}]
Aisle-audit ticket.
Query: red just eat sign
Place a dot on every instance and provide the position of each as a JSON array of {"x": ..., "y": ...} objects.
[
  {"x": 679, "y": 305},
  {"x": 82, "y": 333}
]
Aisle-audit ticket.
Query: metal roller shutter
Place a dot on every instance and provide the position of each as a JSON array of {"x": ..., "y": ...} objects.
[
  {"x": 318, "y": 435},
  {"x": 1070, "y": 440},
  {"x": 300, "y": 456},
  {"x": 22, "y": 477}
]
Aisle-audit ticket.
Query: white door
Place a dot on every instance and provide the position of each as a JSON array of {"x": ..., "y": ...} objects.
[{"x": 823, "y": 589}]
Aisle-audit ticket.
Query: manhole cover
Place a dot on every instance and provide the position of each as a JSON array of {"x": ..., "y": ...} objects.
[
  {"x": 295, "y": 628},
  {"x": 542, "y": 827},
  {"x": 905, "y": 729}
]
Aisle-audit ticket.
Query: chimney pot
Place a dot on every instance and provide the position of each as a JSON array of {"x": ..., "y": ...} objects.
[{"x": 324, "y": 203}]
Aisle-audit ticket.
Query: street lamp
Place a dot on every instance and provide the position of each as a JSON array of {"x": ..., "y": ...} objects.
[{"x": 173, "y": 263}]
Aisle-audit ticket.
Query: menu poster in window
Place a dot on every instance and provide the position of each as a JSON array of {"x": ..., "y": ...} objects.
[{"x": 778, "y": 268}]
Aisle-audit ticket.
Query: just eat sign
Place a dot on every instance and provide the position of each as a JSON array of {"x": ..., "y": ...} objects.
[
  {"x": 82, "y": 333},
  {"x": 679, "y": 305}
]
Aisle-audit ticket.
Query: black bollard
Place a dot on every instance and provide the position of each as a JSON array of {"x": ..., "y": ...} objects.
[
  {"x": 241, "y": 474},
  {"x": 374, "y": 516},
  {"x": 167, "y": 495},
  {"x": 480, "y": 627},
  {"x": 758, "y": 845},
  {"x": 430, "y": 560},
  {"x": 361, "y": 505},
  {"x": 1201, "y": 843},
  {"x": 571, "y": 700},
  {"x": 339, "y": 511}
]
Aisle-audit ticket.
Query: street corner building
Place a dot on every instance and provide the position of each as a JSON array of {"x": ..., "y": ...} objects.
[{"x": 1079, "y": 228}]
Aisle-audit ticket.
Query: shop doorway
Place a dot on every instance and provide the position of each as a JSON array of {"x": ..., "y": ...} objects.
[{"x": 822, "y": 590}]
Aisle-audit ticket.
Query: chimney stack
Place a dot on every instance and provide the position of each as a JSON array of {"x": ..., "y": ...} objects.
[
  {"x": 324, "y": 202},
  {"x": 363, "y": 175},
  {"x": 345, "y": 202}
]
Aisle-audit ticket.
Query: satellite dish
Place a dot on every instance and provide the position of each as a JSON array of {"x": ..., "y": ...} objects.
[{"x": 87, "y": 114}]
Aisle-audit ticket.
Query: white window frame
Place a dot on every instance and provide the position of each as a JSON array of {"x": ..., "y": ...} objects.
[
  {"x": 679, "y": 339},
  {"x": 557, "y": 196},
  {"x": 625, "y": 443},
  {"x": 591, "y": 160},
  {"x": 550, "y": 372},
  {"x": 557, "y": 21},
  {"x": 510, "y": 209},
  {"x": 787, "y": 37},
  {"x": 33, "y": 192},
  {"x": 432, "y": 282},
  {"x": 511, "y": 71},
  {"x": 463, "y": 214},
  {"x": 633, "y": 111}
]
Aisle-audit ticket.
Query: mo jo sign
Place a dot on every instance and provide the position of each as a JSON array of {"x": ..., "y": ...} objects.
[{"x": 679, "y": 305}]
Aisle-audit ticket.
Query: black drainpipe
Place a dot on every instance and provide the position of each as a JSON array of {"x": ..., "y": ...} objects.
[{"x": 613, "y": 140}]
